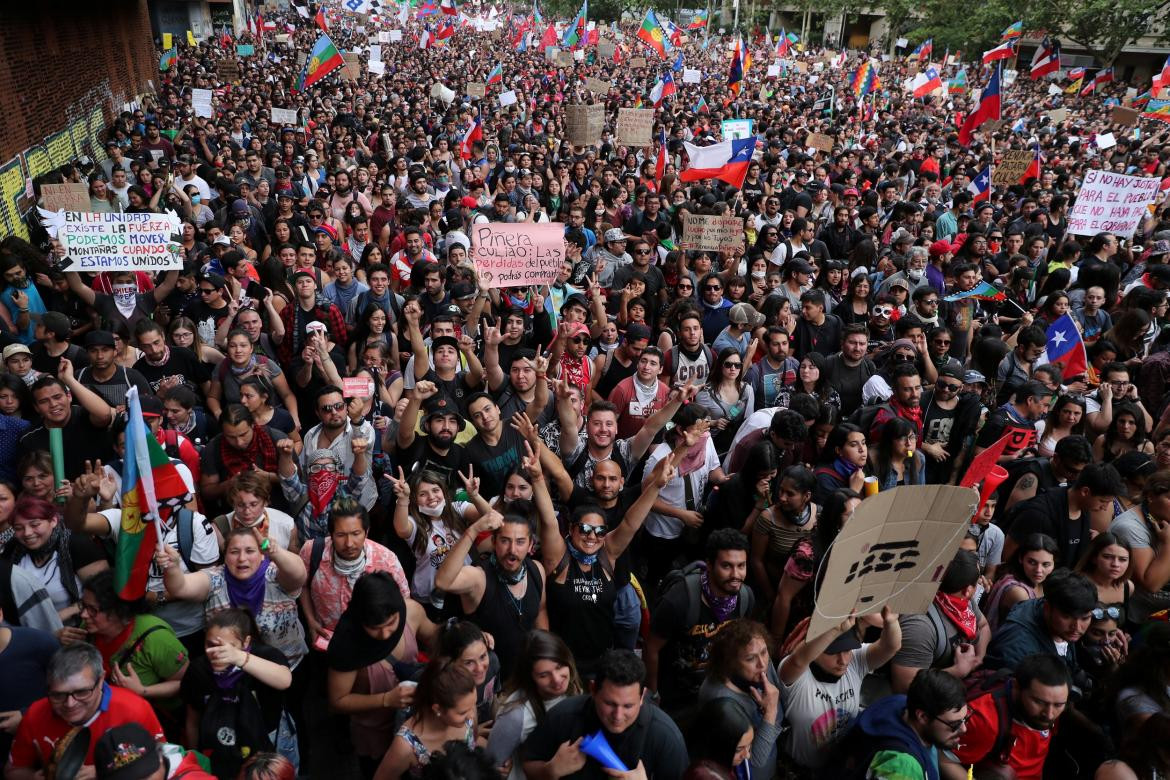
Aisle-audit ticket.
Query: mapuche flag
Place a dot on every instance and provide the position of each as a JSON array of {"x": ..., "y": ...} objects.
[{"x": 323, "y": 60}]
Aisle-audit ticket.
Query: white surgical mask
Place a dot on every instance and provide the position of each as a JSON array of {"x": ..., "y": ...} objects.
[
  {"x": 759, "y": 274},
  {"x": 914, "y": 274},
  {"x": 433, "y": 511}
]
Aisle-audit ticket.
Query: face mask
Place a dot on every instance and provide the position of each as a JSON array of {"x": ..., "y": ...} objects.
[
  {"x": 914, "y": 274},
  {"x": 759, "y": 274},
  {"x": 510, "y": 168},
  {"x": 196, "y": 200},
  {"x": 125, "y": 298},
  {"x": 433, "y": 511}
]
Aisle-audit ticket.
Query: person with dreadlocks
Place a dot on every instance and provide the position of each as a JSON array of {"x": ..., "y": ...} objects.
[
  {"x": 44, "y": 548},
  {"x": 325, "y": 472}
]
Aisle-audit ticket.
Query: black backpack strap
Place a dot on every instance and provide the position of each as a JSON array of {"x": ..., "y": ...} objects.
[
  {"x": 185, "y": 528},
  {"x": 316, "y": 552},
  {"x": 1004, "y": 741},
  {"x": 694, "y": 596},
  {"x": 124, "y": 656},
  {"x": 579, "y": 462}
]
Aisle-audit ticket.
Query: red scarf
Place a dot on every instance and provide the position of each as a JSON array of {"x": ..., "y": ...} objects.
[
  {"x": 261, "y": 454},
  {"x": 958, "y": 610},
  {"x": 913, "y": 415},
  {"x": 322, "y": 486}
]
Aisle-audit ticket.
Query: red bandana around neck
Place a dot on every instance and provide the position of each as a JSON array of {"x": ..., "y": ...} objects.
[{"x": 958, "y": 610}]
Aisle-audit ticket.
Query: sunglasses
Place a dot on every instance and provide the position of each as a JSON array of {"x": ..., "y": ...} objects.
[
  {"x": 900, "y": 358},
  {"x": 585, "y": 529},
  {"x": 1101, "y": 612},
  {"x": 686, "y": 287},
  {"x": 954, "y": 725},
  {"x": 206, "y": 290},
  {"x": 641, "y": 251},
  {"x": 337, "y": 407},
  {"x": 714, "y": 287},
  {"x": 736, "y": 366},
  {"x": 882, "y": 311},
  {"x": 950, "y": 387},
  {"x": 580, "y": 339}
]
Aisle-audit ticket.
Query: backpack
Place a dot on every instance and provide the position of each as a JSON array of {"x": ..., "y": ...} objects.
[
  {"x": 854, "y": 751},
  {"x": 231, "y": 728},
  {"x": 688, "y": 577},
  {"x": 673, "y": 358},
  {"x": 999, "y": 685},
  {"x": 863, "y": 416},
  {"x": 316, "y": 552}
]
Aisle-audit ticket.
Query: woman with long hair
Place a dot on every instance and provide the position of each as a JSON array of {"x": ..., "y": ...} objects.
[
  {"x": 182, "y": 412},
  {"x": 1141, "y": 686},
  {"x": 242, "y": 362},
  {"x": 373, "y": 326},
  {"x": 54, "y": 557},
  {"x": 35, "y": 473},
  {"x": 274, "y": 276},
  {"x": 267, "y": 766},
  {"x": 720, "y": 743},
  {"x": 182, "y": 332},
  {"x": 727, "y": 397},
  {"x": 740, "y": 500},
  {"x": 544, "y": 676},
  {"x": 1126, "y": 433},
  {"x": 1023, "y": 577},
  {"x": 842, "y": 463},
  {"x": 812, "y": 378},
  {"x": 102, "y": 197},
  {"x": 464, "y": 644},
  {"x": 790, "y": 519},
  {"x": 431, "y": 523},
  {"x": 1129, "y": 334},
  {"x": 444, "y": 711},
  {"x": 740, "y": 670},
  {"x": 1107, "y": 563},
  {"x": 896, "y": 460},
  {"x": 15, "y": 398},
  {"x": 255, "y": 393},
  {"x": 854, "y": 304},
  {"x": 1066, "y": 417}
]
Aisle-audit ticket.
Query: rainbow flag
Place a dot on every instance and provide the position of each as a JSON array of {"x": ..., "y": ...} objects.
[
  {"x": 865, "y": 79},
  {"x": 147, "y": 475},
  {"x": 1012, "y": 31},
  {"x": 1157, "y": 109},
  {"x": 168, "y": 60},
  {"x": 323, "y": 60}
]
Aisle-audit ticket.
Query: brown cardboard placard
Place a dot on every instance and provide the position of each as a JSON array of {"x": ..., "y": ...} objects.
[
  {"x": 637, "y": 62},
  {"x": 352, "y": 70},
  {"x": 597, "y": 86},
  {"x": 707, "y": 233},
  {"x": 65, "y": 197},
  {"x": 1011, "y": 167},
  {"x": 227, "y": 70},
  {"x": 893, "y": 550},
  {"x": 635, "y": 126},
  {"x": 476, "y": 90},
  {"x": 820, "y": 142},
  {"x": 1058, "y": 115},
  {"x": 605, "y": 50},
  {"x": 585, "y": 123},
  {"x": 801, "y": 67},
  {"x": 1126, "y": 117},
  {"x": 564, "y": 59}
]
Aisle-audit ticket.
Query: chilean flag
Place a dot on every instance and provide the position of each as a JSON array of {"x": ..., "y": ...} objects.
[
  {"x": 474, "y": 133},
  {"x": 927, "y": 82},
  {"x": 1005, "y": 51},
  {"x": 1033, "y": 171},
  {"x": 1066, "y": 347},
  {"x": 988, "y": 108},
  {"x": 980, "y": 186},
  {"x": 320, "y": 20},
  {"x": 663, "y": 89},
  {"x": 727, "y": 161},
  {"x": 660, "y": 163},
  {"x": 449, "y": 8},
  {"x": 1046, "y": 59},
  {"x": 1162, "y": 79}
]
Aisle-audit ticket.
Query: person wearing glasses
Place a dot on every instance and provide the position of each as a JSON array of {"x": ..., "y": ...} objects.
[
  {"x": 78, "y": 701},
  {"x": 949, "y": 418}
]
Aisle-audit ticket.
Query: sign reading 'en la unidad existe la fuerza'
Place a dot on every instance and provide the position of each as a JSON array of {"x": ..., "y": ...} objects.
[
  {"x": 116, "y": 242},
  {"x": 517, "y": 254}
]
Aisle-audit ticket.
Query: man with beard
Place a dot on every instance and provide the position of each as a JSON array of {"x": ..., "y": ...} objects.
[
  {"x": 850, "y": 369},
  {"x": 336, "y": 433},
  {"x": 950, "y": 416},
  {"x": 241, "y": 446},
  {"x": 413, "y": 252},
  {"x": 820, "y": 685},
  {"x": 840, "y": 237},
  {"x": 902, "y": 736},
  {"x": 613, "y": 366},
  {"x": 436, "y": 450},
  {"x": 1037, "y": 696},
  {"x": 503, "y": 595},
  {"x": 1051, "y": 624},
  {"x": 24, "y": 306},
  {"x": 164, "y": 366},
  {"x": 691, "y": 609},
  {"x": 906, "y": 402},
  {"x": 126, "y": 304}
]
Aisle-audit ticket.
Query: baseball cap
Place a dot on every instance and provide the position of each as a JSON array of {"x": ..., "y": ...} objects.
[
  {"x": 441, "y": 405},
  {"x": 615, "y": 234},
  {"x": 974, "y": 378},
  {"x": 940, "y": 248},
  {"x": 215, "y": 280},
  {"x": 16, "y": 349},
  {"x": 799, "y": 267},
  {"x": 850, "y": 191},
  {"x": 951, "y": 370},
  {"x": 745, "y": 314},
  {"x": 844, "y": 643},
  {"x": 221, "y": 240},
  {"x": 461, "y": 291},
  {"x": 444, "y": 341},
  {"x": 240, "y": 208},
  {"x": 576, "y": 299},
  {"x": 57, "y": 323},
  {"x": 151, "y": 406},
  {"x": 126, "y": 752},
  {"x": 95, "y": 338}
]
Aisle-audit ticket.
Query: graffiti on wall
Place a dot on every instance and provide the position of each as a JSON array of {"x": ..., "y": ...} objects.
[{"x": 83, "y": 136}]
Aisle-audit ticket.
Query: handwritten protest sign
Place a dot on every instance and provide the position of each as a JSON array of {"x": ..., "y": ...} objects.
[
  {"x": 605, "y": 50},
  {"x": 201, "y": 102},
  {"x": 1011, "y": 167},
  {"x": 564, "y": 59},
  {"x": 517, "y": 254},
  {"x": 376, "y": 67},
  {"x": 228, "y": 70},
  {"x": 352, "y": 70},
  {"x": 692, "y": 75},
  {"x": 894, "y": 550},
  {"x": 635, "y": 126},
  {"x": 284, "y": 116},
  {"x": 508, "y": 98},
  {"x": 1111, "y": 202},
  {"x": 1058, "y": 115},
  {"x": 597, "y": 86},
  {"x": 1126, "y": 117},
  {"x": 820, "y": 142},
  {"x": 116, "y": 242},
  {"x": 395, "y": 36},
  {"x": 65, "y": 197},
  {"x": 375, "y": 52},
  {"x": 384, "y": 37},
  {"x": 284, "y": 38},
  {"x": 735, "y": 129},
  {"x": 476, "y": 90},
  {"x": 585, "y": 123},
  {"x": 357, "y": 387},
  {"x": 637, "y": 62},
  {"x": 773, "y": 70},
  {"x": 707, "y": 233}
]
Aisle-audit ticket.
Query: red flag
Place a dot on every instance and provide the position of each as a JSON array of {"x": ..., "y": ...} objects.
[
  {"x": 549, "y": 38},
  {"x": 320, "y": 20},
  {"x": 988, "y": 108}
]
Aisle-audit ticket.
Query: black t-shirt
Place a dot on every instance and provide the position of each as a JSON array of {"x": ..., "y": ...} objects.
[
  {"x": 205, "y": 317},
  {"x": 422, "y": 457},
  {"x": 849, "y": 380},
  {"x": 492, "y": 463},
  {"x": 48, "y": 364},
  {"x": 824, "y": 338},
  {"x": 82, "y": 439},
  {"x": 182, "y": 363},
  {"x": 1047, "y": 513},
  {"x": 682, "y": 663}
]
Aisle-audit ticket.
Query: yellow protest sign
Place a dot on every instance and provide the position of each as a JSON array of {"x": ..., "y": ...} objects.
[
  {"x": 168, "y": 41},
  {"x": 191, "y": 39}
]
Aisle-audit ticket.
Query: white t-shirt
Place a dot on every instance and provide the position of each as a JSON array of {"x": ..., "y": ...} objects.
[
  {"x": 185, "y": 617},
  {"x": 439, "y": 543},
  {"x": 818, "y": 713},
  {"x": 675, "y": 493},
  {"x": 280, "y": 527},
  {"x": 48, "y": 576}
]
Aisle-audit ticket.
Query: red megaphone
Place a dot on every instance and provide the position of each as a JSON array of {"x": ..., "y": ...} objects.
[{"x": 995, "y": 477}]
